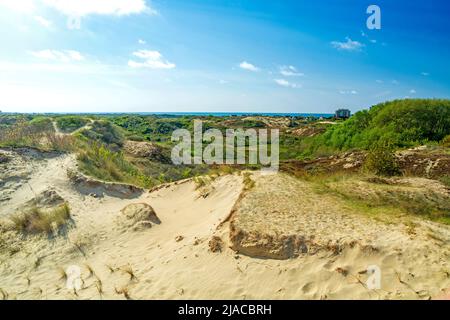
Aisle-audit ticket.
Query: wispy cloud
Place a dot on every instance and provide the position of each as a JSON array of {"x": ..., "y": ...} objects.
[
  {"x": 58, "y": 55},
  {"x": 100, "y": 7},
  {"x": 425, "y": 74},
  {"x": 412, "y": 91},
  {"x": 150, "y": 59},
  {"x": 348, "y": 45},
  {"x": 348, "y": 92},
  {"x": 379, "y": 81},
  {"x": 248, "y": 66},
  {"x": 140, "y": 41},
  {"x": 290, "y": 71},
  {"x": 44, "y": 22},
  {"x": 287, "y": 84},
  {"x": 25, "y": 6}
]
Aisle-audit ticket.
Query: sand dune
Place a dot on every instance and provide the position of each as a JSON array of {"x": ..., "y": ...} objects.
[{"x": 292, "y": 244}]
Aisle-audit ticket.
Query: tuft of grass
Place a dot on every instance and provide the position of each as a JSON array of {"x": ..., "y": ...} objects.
[
  {"x": 445, "y": 180},
  {"x": 249, "y": 183},
  {"x": 97, "y": 160},
  {"x": 128, "y": 269},
  {"x": 99, "y": 286},
  {"x": 37, "y": 220},
  {"x": 110, "y": 268},
  {"x": 62, "y": 274},
  {"x": 90, "y": 270},
  {"x": 200, "y": 182},
  {"x": 124, "y": 291}
]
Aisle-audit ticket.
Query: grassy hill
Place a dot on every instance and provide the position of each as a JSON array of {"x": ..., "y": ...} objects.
[{"x": 401, "y": 123}]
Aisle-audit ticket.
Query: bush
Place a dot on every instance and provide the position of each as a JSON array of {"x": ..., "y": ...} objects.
[
  {"x": 405, "y": 123},
  {"x": 104, "y": 132},
  {"x": 381, "y": 160},
  {"x": 446, "y": 141},
  {"x": 71, "y": 123}
]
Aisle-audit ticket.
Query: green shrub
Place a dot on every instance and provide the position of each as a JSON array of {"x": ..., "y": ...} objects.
[
  {"x": 446, "y": 141},
  {"x": 71, "y": 123},
  {"x": 103, "y": 132},
  {"x": 404, "y": 123},
  {"x": 381, "y": 159}
]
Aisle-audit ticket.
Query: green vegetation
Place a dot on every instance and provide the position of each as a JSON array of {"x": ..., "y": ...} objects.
[
  {"x": 404, "y": 123},
  {"x": 385, "y": 198},
  {"x": 100, "y": 143},
  {"x": 69, "y": 124},
  {"x": 37, "y": 220},
  {"x": 99, "y": 161},
  {"x": 37, "y": 133},
  {"x": 381, "y": 159},
  {"x": 104, "y": 132}
]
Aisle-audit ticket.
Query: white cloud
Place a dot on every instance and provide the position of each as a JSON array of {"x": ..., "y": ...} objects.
[
  {"x": 140, "y": 41},
  {"x": 425, "y": 74},
  {"x": 348, "y": 45},
  {"x": 82, "y": 8},
  {"x": 290, "y": 71},
  {"x": 150, "y": 59},
  {"x": 348, "y": 92},
  {"x": 248, "y": 66},
  {"x": 63, "y": 56},
  {"x": 25, "y": 6},
  {"x": 412, "y": 91},
  {"x": 46, "y": 23},
  {"x": 287, "y": 84}
]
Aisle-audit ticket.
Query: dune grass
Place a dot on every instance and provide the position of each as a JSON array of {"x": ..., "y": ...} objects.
[
  {"x": 383, "y": 198},
  {"x": 37, "y": 220},
  {"x": 98, "y": 161}
]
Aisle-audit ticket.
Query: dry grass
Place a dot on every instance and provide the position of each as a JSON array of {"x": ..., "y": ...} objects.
[
  {"x": 398, "y": 196},
  {"x": 128, "y": 269},
  {"x": 40, "y": 136},
  {"x": 37, "y": 220},
  {"x": 124, "y": 291},
  {"x": 248, "y": 182}
]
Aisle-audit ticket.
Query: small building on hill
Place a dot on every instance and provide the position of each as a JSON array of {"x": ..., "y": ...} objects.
[{"x": 342, "y": 114}]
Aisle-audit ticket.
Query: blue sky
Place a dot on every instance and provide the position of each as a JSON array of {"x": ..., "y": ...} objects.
[{"x": 219, "y": 56}]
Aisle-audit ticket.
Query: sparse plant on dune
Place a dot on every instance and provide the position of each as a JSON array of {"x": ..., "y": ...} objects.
[
  {"x": 4, "y": 294},
  {"x": 128, "y": 269},
  {"x": 90, "y": 270},
  {"x": 200, "y": 182},
  {"x": 37, "y": 220},
  {"x": 99, "y": 286},
  {"x": 110, "y": 268},
  {"x": 62, "y": 274},
  {"x": 249, "y": 183},
  {"x": 124, "y": 291}
]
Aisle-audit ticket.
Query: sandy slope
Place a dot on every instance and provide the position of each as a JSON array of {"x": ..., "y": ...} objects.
[{"x": 173, "y": 260}]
